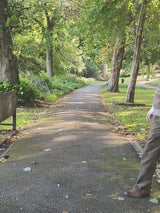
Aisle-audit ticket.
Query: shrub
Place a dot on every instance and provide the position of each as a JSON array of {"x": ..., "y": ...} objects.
[
  {"x": 56, "y": 86},
  {"x": 42, "y": 82},
  {"x": 27, "y": 92},
  {"x": 42, "y": 86}
]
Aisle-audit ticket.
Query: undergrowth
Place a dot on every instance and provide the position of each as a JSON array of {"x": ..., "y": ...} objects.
[{"x": 42, "y": 87}]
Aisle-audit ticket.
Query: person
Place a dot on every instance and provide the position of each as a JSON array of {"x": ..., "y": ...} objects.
[{"x": 151, "y": 152}]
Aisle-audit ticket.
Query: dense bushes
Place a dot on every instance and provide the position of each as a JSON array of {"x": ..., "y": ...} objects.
[
  {"x": 27, "y": 92},
  {"x": 53, "y": 88},
  {"x": 42, "y": 87}
]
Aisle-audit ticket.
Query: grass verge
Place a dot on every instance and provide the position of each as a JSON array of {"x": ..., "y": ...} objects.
[
  {"x": 130, "y": 120},
  {"x": 26, "y": 118}
]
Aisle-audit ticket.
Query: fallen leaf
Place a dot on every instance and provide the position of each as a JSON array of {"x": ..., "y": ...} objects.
[
  {"x": 47, "y": 150},
  {"x": 120, "y": 198},
  {"x": 34, "y": 163},
  {"x": 2, "y": 160},
  {"x": 67, "y": 197},
  {"x": 114, "y": 198},
  {"x": 154, "y": 200},
  {"x": 88, "y": 194},
  {"x": 132, "y": 179},
  {"x": 85, "y": 162},
  {"x": 158, "y": 166},
  {"x": 27, "y": 169},
  {"x": 12, "y": 140}
]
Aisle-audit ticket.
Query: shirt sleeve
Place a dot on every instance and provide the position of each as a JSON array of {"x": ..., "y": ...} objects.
[{"x": 151, "y": 111}]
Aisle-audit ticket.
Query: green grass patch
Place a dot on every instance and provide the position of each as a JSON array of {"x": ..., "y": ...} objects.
[
  {"x": 132, "y": 119},
  {"x": 25, "y": 118}
]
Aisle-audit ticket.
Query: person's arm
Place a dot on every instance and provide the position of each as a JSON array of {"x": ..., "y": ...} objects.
[{"x": 150, "y": 114}]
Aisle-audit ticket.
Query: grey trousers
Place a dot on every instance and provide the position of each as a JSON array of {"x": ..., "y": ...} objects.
[{"x": 149, "y": 159}]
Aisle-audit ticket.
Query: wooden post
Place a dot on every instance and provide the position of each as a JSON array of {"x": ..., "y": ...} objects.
[
  {"x": 8, "y": 102},
  {"x": 14, "y": 121}
]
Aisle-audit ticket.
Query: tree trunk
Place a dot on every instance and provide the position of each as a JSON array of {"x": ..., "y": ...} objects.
[
  {"x": 49, "y": 61},
  {"x": 49, "y": 43},
  {"x": 116, "y": 65},
  {"x": 137, "y": 54},
  {"x": 8, "y": 61}
]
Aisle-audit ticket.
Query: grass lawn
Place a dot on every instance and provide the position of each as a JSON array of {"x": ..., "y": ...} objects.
[
  {"x": 131, "y": 119},
  {"x": 26, "y": 117}
]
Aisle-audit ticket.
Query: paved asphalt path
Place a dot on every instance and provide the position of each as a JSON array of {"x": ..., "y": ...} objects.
[{"x": 78, "y": 164}]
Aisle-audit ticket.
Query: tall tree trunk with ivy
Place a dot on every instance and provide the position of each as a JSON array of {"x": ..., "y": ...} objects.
[
  {"x": 137, "y": 54},
  {"x": 116, "y": 65},
  {"x": 8, "y": 61}
]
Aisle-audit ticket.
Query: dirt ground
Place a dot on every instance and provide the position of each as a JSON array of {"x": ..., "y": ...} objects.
[{"x": 72, "y": 162}]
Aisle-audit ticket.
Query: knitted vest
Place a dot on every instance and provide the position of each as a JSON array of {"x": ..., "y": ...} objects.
[{"x": 156, "y": 102}]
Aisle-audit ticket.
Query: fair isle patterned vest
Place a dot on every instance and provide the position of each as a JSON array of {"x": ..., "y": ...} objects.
[{"x": 156, "y": 102}]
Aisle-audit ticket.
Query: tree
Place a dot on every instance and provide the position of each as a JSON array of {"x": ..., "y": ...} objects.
[
  {"x": 120, "y": 19},
  {"x": 42, "y": 38},
  {"x": 8, "y": 60},
  {"x": 103, "y": 25},
  {"x": 47, "y": 19},
  {"x": 46, "y": 16},
  {"x": 48, "y": 23},
  {"x": 116, "y": 65},
  {"x": 137, "y": 53},
  {"x": 151, "y": 41},
  {"x": 88, "y": 28}
]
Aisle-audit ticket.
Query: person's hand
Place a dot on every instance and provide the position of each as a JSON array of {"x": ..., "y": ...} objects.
[{"x": 149, "y": 116}]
